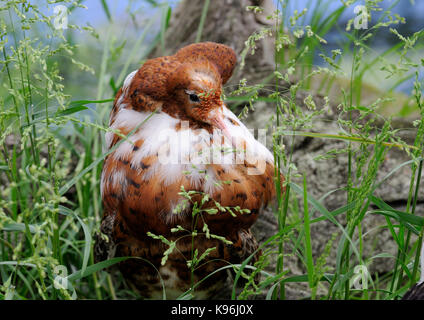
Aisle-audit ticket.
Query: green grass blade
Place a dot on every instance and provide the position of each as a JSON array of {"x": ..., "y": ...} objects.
[
  {"x": 202, "y": 20},
  {"x": 106, "y": 10},
  {"x": 87, "y": 236},
  {"x": 327, "y": 214},
  {"x": 307, "y": 228}
]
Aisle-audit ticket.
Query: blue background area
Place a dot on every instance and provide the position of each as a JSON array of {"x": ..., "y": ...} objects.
[{"x": 96, "y": 17}]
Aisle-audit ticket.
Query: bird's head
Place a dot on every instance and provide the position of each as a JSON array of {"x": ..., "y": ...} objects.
[
  {"x": 197, "y": 87},
  {"x": 197, "y": 83},
  {"x": 188, "y": 83}
]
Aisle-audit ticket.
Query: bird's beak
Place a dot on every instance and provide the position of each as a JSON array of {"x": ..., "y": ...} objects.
[{"x": 217, "y": 120}]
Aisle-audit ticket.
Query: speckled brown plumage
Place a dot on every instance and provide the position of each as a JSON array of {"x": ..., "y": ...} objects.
[{"x": 140, "y": 193}]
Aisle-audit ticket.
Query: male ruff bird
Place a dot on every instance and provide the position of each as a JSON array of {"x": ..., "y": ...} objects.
[{"x": 171, "y": 132}]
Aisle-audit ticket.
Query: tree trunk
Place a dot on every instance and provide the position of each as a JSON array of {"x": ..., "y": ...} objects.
[{"x": 227, "y": 22}]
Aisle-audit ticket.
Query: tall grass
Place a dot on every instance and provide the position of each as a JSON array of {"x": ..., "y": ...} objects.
[
  {"x": 363, "y": 162},
  {"x": 51, "y": 154}
]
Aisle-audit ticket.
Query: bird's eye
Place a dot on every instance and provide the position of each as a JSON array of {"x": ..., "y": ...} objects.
[{"x": 194, "y": 97}]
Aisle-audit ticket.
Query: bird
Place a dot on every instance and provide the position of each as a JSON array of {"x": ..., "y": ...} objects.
[
  {"x": 416, "y": 292},
  {"x": 174, "y": 148}
]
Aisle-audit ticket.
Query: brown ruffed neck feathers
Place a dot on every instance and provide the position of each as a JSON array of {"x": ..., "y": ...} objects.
[{"x": 158, "y": 77}]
